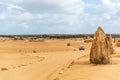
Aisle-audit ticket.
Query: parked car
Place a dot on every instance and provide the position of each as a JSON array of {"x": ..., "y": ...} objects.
[
  {"x": 81, "y": 48},
  {"x": 68, "y": 44}
]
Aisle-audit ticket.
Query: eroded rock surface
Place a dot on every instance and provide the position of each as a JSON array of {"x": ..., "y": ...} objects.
[
  {"x": 100, "y": 50},
  {"x": 111, "y": 45}
]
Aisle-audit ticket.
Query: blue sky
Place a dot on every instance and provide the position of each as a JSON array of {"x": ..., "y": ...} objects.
[{"x": 59, "y": 16}]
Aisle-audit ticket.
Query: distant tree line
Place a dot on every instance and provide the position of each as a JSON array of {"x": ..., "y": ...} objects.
[{"x": 58, "y": 36}]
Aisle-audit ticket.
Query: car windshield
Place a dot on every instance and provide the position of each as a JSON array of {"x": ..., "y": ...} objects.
[{"x": 81, "y": 46}]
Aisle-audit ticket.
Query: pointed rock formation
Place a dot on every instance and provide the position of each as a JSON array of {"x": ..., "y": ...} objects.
[
  {"x": 111, "y": 45},
  {"x": 100, "y": 51}
]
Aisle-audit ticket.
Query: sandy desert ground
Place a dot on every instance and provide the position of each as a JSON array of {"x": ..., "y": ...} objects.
[{"x": 53, "y": 60}]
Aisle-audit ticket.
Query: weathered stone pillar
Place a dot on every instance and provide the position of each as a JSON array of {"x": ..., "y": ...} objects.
[
  {"x": 111, "y": 45},
  {"x": 100, "y": 51}
]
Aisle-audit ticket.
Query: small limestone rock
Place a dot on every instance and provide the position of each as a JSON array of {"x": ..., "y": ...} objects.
[
  {"x": 4, "y": 69},
  {"x": 61, "y": 71}
]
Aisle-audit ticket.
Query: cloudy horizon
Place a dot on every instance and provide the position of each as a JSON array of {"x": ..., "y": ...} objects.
[{"x": 58, "y": 16}]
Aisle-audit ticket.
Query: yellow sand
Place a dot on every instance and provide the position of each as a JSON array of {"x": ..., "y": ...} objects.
[{"x": 50, "y": 59}]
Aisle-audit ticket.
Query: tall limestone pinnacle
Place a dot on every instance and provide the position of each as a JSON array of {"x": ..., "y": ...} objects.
[
  {"x": 100, "y": 50},
  {"x": 111, "y": 45}
]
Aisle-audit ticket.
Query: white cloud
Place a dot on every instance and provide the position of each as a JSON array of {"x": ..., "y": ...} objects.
[
  {"x": 73, "y": 6},
  {"x": 11, "y": 1},
  {"x": 12, "y": 6},
  {"x": 2, "y": 16},
  {"x": 76, "y": 15},
  {"x": 106, "y": 2},
  {"x": 107, "y": 16},
  {"x": 112, "y": 5}
]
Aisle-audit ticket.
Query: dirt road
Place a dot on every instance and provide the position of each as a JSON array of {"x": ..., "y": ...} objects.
[{"x": 40, "y": 70}]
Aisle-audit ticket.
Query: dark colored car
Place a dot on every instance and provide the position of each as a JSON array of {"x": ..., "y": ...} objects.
[
  {"x": 82, "y": 48},
  {"x": 68, "y": 44}
]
